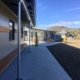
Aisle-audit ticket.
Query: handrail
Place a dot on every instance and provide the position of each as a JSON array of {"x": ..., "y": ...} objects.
[
  {"x": 19, "y": 34},
  {"x": 27, "y": 12}
]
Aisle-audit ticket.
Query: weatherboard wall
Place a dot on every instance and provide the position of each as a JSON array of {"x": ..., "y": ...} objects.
[{"x": 6, "y": 45}]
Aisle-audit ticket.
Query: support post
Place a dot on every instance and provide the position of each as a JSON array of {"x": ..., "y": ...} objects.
[
  {"x": 19, "y": 37},
  {"x": 29, "y": 35},
  {"x": 32, "y": 35},
  {"x": 19, "y": 34}
]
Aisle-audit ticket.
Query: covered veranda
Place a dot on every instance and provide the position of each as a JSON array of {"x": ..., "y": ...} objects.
[
  {"x": 36, "y": 64},
  {"x": 39, "y": 64}
]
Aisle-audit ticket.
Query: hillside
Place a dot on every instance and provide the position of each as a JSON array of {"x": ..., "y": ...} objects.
[{"x": 59, "y": 28}]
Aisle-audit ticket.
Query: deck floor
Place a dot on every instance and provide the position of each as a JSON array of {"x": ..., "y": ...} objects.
[{"x": 39, "y": 64}]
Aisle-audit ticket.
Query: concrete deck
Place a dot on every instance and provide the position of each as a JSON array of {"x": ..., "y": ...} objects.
[{"x": 39, "y": 64}]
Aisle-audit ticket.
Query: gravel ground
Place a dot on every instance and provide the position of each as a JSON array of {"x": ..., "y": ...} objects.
[{"x": 68, "y": 57}]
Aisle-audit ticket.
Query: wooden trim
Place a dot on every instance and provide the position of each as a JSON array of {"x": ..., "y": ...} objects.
[
  {"x": 2, "y": 29},
  {"x": 6, "y": 61},
  {"x": 1, "y": 3}
]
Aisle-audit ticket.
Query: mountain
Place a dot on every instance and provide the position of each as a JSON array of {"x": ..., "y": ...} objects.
[
  {"x": 57, "y": 28},
  {"x": 60, "y": 28}
]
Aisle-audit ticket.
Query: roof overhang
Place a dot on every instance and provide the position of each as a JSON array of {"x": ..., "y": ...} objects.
[{"x": 13, "y": 6}]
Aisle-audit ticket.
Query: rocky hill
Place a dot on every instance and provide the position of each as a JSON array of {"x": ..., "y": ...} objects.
[{"x": 60, "y": 28}]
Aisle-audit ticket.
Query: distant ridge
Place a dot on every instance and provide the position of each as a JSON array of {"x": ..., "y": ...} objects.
[{"x": 59, "y": 28}]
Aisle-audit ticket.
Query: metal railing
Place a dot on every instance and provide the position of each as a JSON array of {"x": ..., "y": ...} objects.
[{"x": 22, "y": 2}]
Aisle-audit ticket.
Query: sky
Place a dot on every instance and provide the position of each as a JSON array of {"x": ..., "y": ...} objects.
[{"x": 57, "y": 13}]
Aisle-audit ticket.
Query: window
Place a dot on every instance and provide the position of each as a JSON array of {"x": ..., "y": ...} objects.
[
  {"x": 12, "y": 30},
  {"x": 31, "y": 34},
  {"x": 21, "y": 31},
  {"x": 25, "y": 33}
]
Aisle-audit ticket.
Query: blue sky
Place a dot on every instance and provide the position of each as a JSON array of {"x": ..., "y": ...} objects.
[{"x": 58, "y": 12}]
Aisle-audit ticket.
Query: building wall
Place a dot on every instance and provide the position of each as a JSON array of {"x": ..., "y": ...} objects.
[
  {"x": 43, "y": 35},
  {"x": 7, "y": 46},
  {"x": 48, "y": 34},
  {"x": 26, "y": 33},
  {"x": 40, "y": 35}
]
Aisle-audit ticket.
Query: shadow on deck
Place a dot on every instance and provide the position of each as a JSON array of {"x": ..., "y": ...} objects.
[
  {"x": 39, "y": 64},
  {"x": 68, "y": 57}
]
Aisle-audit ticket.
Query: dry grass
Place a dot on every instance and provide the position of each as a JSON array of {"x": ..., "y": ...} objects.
[{"x": 74, "y": 43}]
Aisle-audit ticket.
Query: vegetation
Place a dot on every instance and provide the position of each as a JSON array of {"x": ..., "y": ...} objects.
[{"x": 74, "y": 32}]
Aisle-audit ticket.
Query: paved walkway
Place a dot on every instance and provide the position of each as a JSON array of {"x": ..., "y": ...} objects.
[{"x": 39, "y": 64}]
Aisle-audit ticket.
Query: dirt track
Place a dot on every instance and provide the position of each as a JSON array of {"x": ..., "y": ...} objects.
[
  {"x": 68, "y": 57},
  {"x": 75, "y": 43}
]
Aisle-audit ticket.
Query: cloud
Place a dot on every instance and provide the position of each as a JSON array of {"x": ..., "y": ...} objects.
[
  {"x": 76, "y": 17},
  {"x": 66, "y": 23},
  {"x": 62, "y": 23},
  {"x": 41, "y": 6},
  {"x": 56, "y": 16},
  {"x": 73, "y": 9},
  {"x": 43, "y": 26}
]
